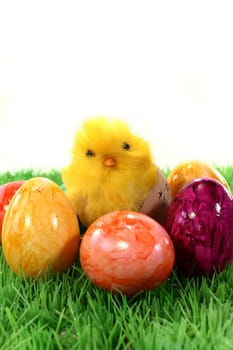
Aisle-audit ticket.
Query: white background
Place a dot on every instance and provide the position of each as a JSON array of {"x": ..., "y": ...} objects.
[{"x": 164, "y": 66}]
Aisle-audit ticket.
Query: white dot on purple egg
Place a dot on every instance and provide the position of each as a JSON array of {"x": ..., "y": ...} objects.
[
  {"x": 200, "y": 187},
  {"x": 218, "y": 209},
  {"x": 191, "y": 215},
  {"x": 182, "y": 217}
]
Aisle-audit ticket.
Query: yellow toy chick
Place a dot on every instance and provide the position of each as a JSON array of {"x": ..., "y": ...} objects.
[{"x": 110, "y": 169}]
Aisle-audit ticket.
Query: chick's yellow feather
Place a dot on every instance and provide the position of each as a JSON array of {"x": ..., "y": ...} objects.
[{"x": 110, "y": 169}]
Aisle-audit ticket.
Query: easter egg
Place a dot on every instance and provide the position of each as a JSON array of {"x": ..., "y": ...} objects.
[
  {"x": 40, "y": 232},
  {"x": 6, "y": 193},
  {"x": 127, "y": 251},
  {"x": 200, "y": 223},
  {"x": 187, "y": 171},
  {"x": 158, "y": 199}
]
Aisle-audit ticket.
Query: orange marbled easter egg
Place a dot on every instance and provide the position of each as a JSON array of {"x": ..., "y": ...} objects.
[
  {"x": 40, "y": 232},
  {"x": 127, "y": 251},
  {"x": 186, "y": 171}
]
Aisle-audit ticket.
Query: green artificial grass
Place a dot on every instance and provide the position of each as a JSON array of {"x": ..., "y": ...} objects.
[{"x": 67, "y": 311}]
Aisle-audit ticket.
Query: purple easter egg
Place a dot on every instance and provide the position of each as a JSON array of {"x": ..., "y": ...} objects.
[{"x": 200, "y": 223}]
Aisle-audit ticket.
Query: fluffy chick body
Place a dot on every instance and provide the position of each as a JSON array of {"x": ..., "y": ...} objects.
[{"x": 110, "y": 169}]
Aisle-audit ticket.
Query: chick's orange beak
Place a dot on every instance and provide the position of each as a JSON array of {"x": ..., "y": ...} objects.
[{"x": 109, "y": 161}]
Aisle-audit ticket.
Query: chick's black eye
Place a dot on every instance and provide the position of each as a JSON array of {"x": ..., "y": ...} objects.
[
  {"x": 90, "y": 153},
  {"x": 126, "y": 146}
]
